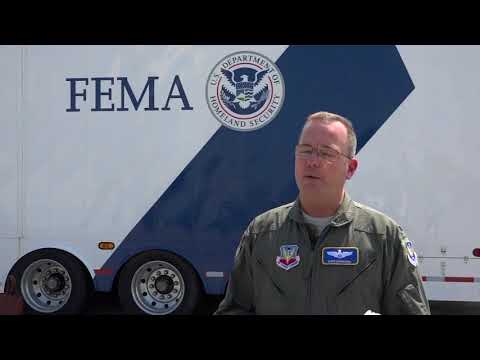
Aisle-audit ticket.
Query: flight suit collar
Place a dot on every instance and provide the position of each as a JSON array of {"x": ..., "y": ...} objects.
[{"x": 343, "y": 216}]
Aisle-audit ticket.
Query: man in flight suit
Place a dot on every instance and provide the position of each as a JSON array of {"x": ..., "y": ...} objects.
[{"x": 324, "y": 253}]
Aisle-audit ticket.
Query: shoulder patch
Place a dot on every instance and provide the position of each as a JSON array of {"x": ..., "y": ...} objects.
[
  {"x": 410, "y": 251},
  {"x": 411, "y": 254}
]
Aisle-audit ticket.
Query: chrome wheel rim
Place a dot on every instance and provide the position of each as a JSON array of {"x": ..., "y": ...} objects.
[
  {"x": 158, "y": 288},
  {"x": 46, "y": 286}
]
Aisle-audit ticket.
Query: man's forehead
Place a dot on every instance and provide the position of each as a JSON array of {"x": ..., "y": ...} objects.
[{"x": 332, "y": 131}]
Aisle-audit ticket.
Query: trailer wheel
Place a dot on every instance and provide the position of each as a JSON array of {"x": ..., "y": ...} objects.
[
  {"x": 51, "y": 282},
  {"x": 158, "y": 283}
]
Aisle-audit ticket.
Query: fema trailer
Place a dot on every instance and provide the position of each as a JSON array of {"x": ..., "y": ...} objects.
[{"x": 135, "y": 169}]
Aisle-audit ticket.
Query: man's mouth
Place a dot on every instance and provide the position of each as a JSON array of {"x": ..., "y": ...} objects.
[{"x": 311, "y": 177}]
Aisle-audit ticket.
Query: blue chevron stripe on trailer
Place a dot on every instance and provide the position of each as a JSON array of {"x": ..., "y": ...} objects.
[{"x": 237, "y": 175}]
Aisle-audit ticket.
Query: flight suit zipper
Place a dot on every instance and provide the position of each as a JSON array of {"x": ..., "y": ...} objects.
[
  {"x": 309, "y": 275},
  {"x": 315, "y": 248},
  {"x": 309, "y": 292}
]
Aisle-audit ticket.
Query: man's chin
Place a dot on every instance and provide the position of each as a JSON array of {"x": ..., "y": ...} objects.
[{"x": 313, "y": 188}]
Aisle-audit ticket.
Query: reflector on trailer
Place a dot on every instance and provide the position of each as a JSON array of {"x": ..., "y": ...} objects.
[{"x": 106, "y": 245}]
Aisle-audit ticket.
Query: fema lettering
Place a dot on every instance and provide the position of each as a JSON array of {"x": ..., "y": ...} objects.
[{"x": 101, "y": 88}]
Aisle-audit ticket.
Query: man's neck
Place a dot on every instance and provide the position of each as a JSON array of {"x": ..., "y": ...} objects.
[{"x": 320, "y": 206}]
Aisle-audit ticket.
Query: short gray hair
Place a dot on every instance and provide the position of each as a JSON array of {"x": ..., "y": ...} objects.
[{"x": 327, "y": 117}]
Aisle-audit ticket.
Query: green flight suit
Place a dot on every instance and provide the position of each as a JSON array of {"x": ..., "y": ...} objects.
[{"x": 385, "y": 278}]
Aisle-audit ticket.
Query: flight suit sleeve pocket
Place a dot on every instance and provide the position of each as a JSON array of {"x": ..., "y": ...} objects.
[{"x": 412, "y": 301}]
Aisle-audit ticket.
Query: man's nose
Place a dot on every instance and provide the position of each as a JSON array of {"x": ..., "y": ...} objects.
[{"x": 315, "y": 161}]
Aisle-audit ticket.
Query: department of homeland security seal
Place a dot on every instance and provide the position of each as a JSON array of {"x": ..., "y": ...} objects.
[{"x": 245, "y": 91}]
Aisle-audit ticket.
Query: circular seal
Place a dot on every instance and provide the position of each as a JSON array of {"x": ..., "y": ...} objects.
[{"x": 245, "y": 91}]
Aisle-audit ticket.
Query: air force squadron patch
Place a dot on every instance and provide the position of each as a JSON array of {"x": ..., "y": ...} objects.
[
  {"x": 340, "y": 256},
  {"x": 411, "y": 254},
  {"x": 289, "y": 257}
]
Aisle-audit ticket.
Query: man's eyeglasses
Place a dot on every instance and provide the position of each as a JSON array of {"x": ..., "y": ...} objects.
[{"x": 308, "y": 152}]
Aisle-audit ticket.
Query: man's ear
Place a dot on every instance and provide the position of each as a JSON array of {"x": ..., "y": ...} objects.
[{"x": 352, "y": 167}]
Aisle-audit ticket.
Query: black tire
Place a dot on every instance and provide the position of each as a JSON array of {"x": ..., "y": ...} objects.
[
  {"x": 192, "y": 290},
  {"x": 78, "y": 281}
]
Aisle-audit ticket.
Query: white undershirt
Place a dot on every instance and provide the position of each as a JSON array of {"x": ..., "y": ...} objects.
[{"x": 319, "y": 223}]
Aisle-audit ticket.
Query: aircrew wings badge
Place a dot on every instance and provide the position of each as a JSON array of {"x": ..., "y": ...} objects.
[{"x": 340, "y": 256}]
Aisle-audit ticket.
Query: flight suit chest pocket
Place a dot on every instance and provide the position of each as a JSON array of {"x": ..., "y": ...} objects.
[
  {"x": 276, "y": 291},
  {"x": 279, "y": 268},
  {"x": 352, "y": 274}
]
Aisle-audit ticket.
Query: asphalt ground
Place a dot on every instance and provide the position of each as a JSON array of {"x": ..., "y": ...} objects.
[{"x": 107, "y": 304}]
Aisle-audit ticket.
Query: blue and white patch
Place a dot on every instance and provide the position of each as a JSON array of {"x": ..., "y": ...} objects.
[
  {"x": 411, "y": 254},
  {"x": 340, "y": 256},
  {"x": 245, "y": 91}
]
